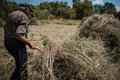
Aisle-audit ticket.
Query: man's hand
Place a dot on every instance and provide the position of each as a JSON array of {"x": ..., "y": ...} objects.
[
  {"x": 25, "y": 40},
  {"x": 32, "y": 46}
]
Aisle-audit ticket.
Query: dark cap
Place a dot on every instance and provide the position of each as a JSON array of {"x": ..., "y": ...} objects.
[{"x": 26, "y": 5}]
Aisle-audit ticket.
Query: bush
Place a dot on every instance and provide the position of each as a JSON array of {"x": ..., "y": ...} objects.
[{"x": 1, "y": 23}]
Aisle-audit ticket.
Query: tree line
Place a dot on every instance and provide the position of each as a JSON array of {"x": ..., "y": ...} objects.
[{"x": 57, "y": 10}]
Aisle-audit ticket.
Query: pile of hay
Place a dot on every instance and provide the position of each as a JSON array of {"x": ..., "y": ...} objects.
[
  {"x": 75, "y": 59},
  {"x": 34, "y": 21},
  {"x": 106, "y": 28},
  {"x": 84, "y": 56}
]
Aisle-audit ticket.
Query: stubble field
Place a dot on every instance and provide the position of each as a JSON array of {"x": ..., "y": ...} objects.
[
  {"x": 65, "y": 52},
  {"x": 54, "y": 32}
]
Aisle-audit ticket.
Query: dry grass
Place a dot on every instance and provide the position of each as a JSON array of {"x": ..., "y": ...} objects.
[
  {"x": 106, "y": 28},
  {"x": 6, "y": 60},
  {"x": 61, "y": 21},
  {"x": 65, "y": 56},
  {"x": 54, "y": 35},
  {"x": 40, "y": 35}
]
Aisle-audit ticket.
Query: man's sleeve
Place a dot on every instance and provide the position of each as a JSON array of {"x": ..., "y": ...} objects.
[{"x": 21, "y": 28}]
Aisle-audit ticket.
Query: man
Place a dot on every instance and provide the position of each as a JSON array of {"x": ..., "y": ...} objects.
[{"x": 15, "y": 40}]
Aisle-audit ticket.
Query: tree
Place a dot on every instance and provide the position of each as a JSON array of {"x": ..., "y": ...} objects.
[
  {"x": 69, "y": 14},
  {"x": 82, "y": 9},
  {"x": 109, "y": 8},
  {"x": 97, "y": 8},
  {"x": 45, "y": 5},
  {"x": 118, "y": 15},
  {"x": 61, "y": 10},
  {"x": 36, "y": 12},
  {"x": 78, "y": 7},
  {"x": 75, "y": 1},
  {"x": 6, "y": 7},
  {"x": 54, "y": 6},
  {"x": 88, "y": 8}
]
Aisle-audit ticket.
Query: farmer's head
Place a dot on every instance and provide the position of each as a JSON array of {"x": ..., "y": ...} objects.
[{"x": 26, "y": 8}]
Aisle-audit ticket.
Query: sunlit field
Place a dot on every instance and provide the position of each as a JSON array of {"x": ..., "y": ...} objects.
[
  {"x": 70, "y": 50},
  {"x": 52, "y": 31}
]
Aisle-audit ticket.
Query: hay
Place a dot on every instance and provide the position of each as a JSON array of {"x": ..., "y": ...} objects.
[
  {"x": 75, "y": 59},
  {"x": 41, "y": 64},
  {"x": 85, "y": 58},
  {"x": 34, "y": 21},
  {"x": 81, "y": 57},
  {"x": 106, "y": 28}
]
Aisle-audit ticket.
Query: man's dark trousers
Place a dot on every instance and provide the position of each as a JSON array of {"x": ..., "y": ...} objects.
[{"x": 18, "y": 50}]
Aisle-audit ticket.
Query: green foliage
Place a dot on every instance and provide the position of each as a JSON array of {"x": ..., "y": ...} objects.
[
  {"x": 1, "y": 23},
  {"x": 70, "y": 14},
  {"x": 88, "y": 8},
  {"x": 97, "y": 8},
  {"x": 75, "y": 1},
  {"x": 6, "y": 7},
  {"x": 61, "y": 10},
  {"x": 83, "y": 9},
  {"x": 118, "y": 15},
  {"x": 45, "y": 5},
  {"x": 51, "y": 10},
  {"x": 43, "y": 14},
  {"x": 108, "y": 8},
  {"x": 35, "y": 12},
  {"x": 55, "y": 9}
]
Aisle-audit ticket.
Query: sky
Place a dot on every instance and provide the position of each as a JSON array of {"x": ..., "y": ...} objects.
[{"x": 37, "y": 2}]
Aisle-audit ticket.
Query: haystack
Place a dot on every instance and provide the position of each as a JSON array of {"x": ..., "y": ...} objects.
[
  {"x": 34, "y": 21},
  {"x": 75, "y": 59},
  {"x": 84, "y": 58},
  {"x": 80, "y": 57},
  {"x": 104, "y": 27}
]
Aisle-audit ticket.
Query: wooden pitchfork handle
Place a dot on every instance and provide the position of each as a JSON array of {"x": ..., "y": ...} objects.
[{"x": 38, "y": 49}]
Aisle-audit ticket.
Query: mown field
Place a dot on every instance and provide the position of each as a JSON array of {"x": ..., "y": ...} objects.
[
  {"x": 71, "y": 50},
  {"x": 55, "y": 32}
]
